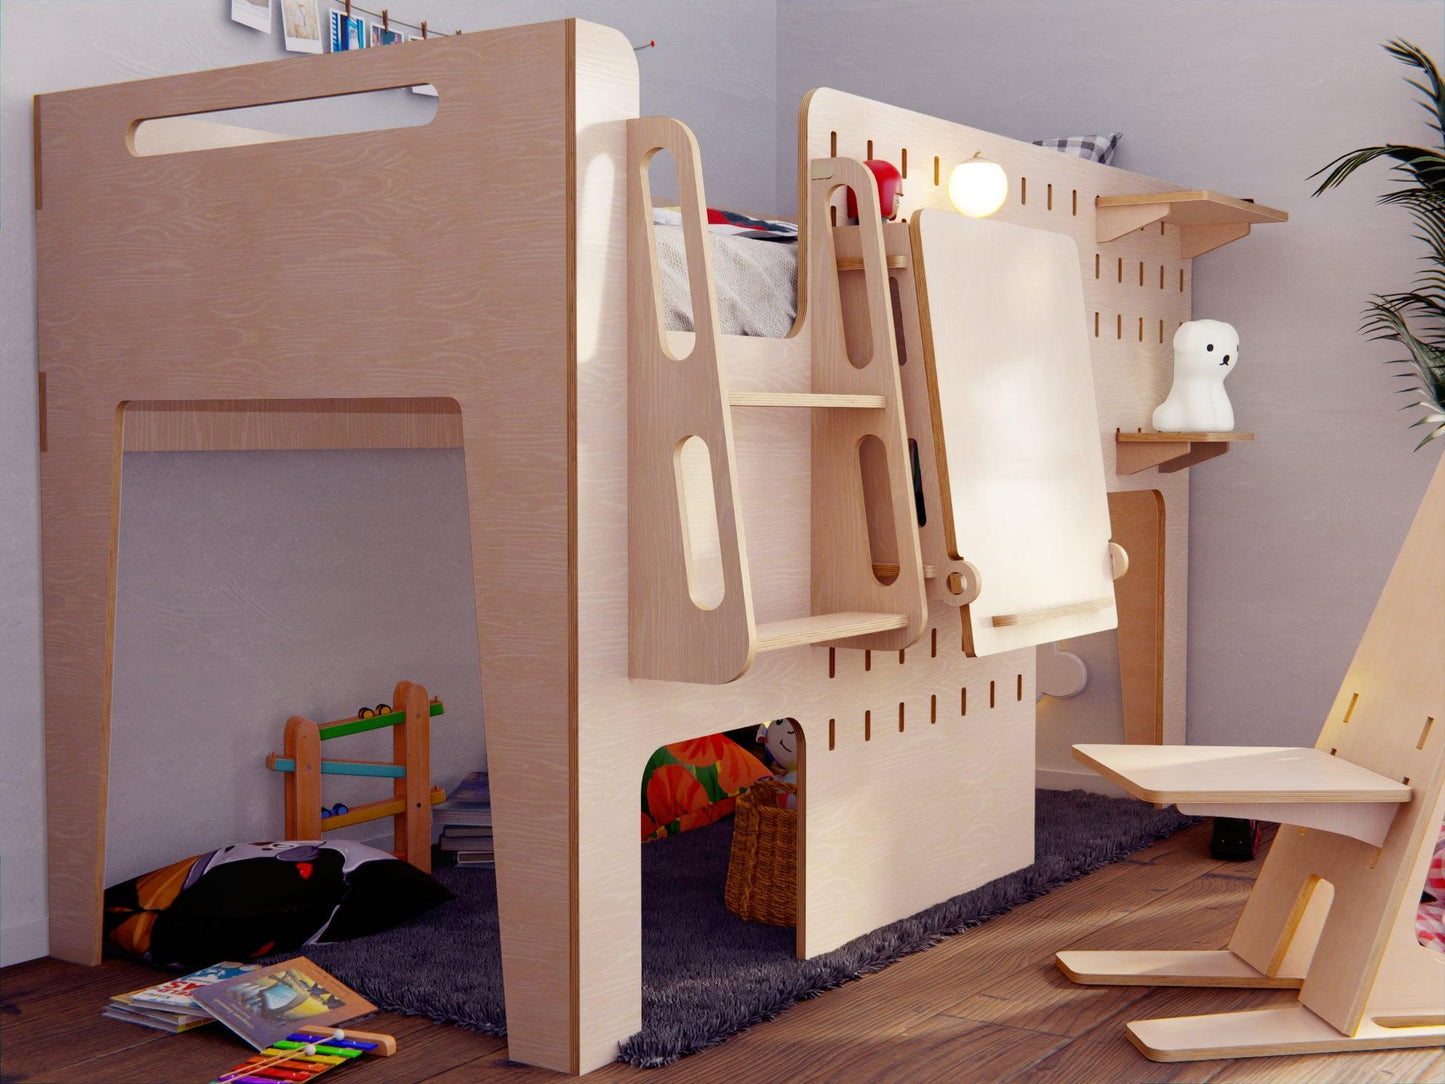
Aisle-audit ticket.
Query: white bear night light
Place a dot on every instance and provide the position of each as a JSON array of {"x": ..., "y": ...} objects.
[{"x": 1205, "y": 353}]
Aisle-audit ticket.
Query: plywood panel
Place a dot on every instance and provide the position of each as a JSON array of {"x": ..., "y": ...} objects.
[
  {"x": 1136, "y": 293},
  {"x": 160, "y": 278},
  {"x": 1016, "y": 428}
]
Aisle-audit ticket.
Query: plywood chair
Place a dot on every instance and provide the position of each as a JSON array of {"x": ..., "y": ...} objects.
[{"x": 1360, "y": 813}]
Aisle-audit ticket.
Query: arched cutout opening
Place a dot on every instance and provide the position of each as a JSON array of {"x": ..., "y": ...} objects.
[
  {"x": 697, "y": 513},
  {"x": 878, "y": 508},
  {"x": 671, "y": 257},
  {"x": 695, "y": 795},
  {"x": 289, "y": 555},
  {"x": 853, "y": 291},
  {"x": 309, "y": 118}
]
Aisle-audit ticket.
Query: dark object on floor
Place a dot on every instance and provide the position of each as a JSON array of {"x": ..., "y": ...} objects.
[
  {"x": 707, "y": 974},
  {"x": 1234, "y": 840},
  {"x": 250, "y": 898}
]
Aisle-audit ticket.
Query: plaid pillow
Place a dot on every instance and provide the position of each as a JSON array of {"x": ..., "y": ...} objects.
[{"x": 1095, "y": 148}]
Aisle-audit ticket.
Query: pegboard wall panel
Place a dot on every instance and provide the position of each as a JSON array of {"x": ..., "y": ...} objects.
[{"x": 1137, "y": 291}]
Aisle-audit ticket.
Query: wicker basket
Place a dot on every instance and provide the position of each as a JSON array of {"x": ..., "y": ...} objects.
[{"x": 763, "y": 867}]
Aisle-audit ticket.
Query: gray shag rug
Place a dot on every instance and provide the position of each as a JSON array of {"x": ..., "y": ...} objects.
[{"x": 706, "y": 974}]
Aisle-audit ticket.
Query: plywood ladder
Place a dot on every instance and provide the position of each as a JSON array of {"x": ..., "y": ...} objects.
[
  {"x": 1333, "y": 910},
  {"x": 690, "y": 596}
]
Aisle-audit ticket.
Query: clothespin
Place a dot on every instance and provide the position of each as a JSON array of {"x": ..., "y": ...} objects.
[
  {"x": 348, "y": 9},
  {"x": 384, "y": 23},
  {"x": 423, "y": 30}
]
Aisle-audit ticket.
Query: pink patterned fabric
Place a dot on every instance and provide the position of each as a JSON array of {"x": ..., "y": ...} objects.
[{"x": 1430, "y": 918}]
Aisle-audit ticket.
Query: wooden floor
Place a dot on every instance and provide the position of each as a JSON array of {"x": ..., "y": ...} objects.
[{"x": 985, "y": 1006}]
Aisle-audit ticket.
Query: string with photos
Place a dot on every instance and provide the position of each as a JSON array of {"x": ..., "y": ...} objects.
[
  {"x": 306, "y": 1054},
  {"x": 385, "y": 16},
  {"x": 386, "y": 20}
]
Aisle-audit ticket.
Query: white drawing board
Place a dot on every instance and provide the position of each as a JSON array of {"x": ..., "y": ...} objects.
[{"x": 1016, "y": 428}]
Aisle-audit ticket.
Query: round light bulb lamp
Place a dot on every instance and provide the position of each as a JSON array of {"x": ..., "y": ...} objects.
[{"x": 977, "y": 187}]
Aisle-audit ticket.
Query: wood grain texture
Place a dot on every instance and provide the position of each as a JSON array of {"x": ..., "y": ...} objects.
[
  {"x": 1136, "y": 522},
  {"x": 411, "y": 746},
  {"x": 294, "y": 424},
  {"x": 1016, "y": 428},
  {"x": 1239, "y": 773},
  {"x": 862, "y": 503},
  {"x": 52, "y": 1031},
  {"x": 855, "y": 875},
  {"x": 675, "y": 634},
  {"x": 185, "y": 322},
  {"x": 1140, "y": 450},
  {"x": 1205, "y": 220},
  {"x": 1132, "y": 368},
  {"x": 1367, "y": 974}
]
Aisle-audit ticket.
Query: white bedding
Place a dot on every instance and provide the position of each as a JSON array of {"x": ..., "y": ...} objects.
[{"x": 756, "y": 281}]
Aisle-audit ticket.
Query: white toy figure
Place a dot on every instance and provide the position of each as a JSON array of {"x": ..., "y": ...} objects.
[
  {"x": 1205, "y": 353},
  {"x": 780, "y": 739}
]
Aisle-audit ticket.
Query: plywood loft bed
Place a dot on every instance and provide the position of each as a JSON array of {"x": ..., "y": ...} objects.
[{"x": 501, "y": 298}]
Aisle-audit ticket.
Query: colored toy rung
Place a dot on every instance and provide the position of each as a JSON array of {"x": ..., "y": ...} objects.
[
  {"x": 343, "y": 727},
  {"x": 382, "y": 1044},
  {"x": 371, "y": 811},
  {"x": 301, "y": 1039},
  {"x": 342, "y": 767},
  {"x": 337, "y": 1053}
]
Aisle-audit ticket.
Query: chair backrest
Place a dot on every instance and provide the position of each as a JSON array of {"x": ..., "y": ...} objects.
[{"x": 1388, "y": 716}]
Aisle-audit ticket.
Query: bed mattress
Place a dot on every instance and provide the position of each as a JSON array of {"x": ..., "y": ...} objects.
[{"x": 755, "y": 275}]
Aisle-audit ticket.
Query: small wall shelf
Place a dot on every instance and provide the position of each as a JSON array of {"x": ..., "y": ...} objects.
[
  {"x": 1206, "y": 220},
  {"x": 1139, "y": 450}
]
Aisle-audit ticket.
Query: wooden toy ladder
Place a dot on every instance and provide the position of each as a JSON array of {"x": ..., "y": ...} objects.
[
  {"x": 867, "y": 571},
  {"x": 412, "y": 793},
  {"x": 1333, "y": 910}
]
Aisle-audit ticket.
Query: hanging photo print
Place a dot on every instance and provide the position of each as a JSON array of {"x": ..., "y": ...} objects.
[
  {"x": 347, "y": 32},
  {"x": 301, "y": 21},
  {"x": 253, "y": 13},
  {"x": 383, "y": 36}
]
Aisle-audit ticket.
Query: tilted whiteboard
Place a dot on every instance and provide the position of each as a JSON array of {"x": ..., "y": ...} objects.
[{"x": 1016, "y": 428}]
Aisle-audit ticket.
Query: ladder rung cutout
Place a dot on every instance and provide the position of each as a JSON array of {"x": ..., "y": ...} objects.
[
  {"x": 372, "y": 811},
  {"x": 817, "y": 400},
  {"x": 342, "y": 727},
  {"x": 374, "y": 768},
  {"x": 776, "y": 635}
]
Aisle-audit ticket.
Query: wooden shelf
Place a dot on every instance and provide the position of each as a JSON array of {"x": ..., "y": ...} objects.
[
  {"x": 1306, "y": 787},
  {"x": 855, "y": 263},
  {"x": 777, "y": 635},
  {"x": 816, "y": 400},
  {"x": 1206, "y": 220},
  {"x": 1138, "y": 451}
]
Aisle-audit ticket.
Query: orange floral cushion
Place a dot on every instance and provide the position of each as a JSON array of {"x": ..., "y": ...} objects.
[{"x": 692, "y": 783}]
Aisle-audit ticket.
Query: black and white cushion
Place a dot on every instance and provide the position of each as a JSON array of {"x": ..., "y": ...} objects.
[{"x": 1095, "y": 148}]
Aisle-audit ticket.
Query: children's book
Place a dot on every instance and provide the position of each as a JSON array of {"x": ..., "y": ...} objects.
[
  {"x": 474, "y": 788},
  {"x": 176, "y": 994},
  {"x": 271, "y": 1002},
  {"x": 175, "y": 1022}
]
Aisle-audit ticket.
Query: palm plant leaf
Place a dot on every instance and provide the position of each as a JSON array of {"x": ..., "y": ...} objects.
[{"x": 1414, "y": 319}]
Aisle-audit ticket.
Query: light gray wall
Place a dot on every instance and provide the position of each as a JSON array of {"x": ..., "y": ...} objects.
[
  {"x": 1292, "y": 536},
  {"x": 238, "y": 601}
]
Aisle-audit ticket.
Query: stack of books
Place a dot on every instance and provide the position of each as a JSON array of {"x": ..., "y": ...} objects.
[
  {"x": 466, "y": 819},
  {"x": 171, "y": 1006}
]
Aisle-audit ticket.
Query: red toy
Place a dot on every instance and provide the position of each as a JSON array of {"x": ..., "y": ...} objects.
[{"x": 890, "y": 189}]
